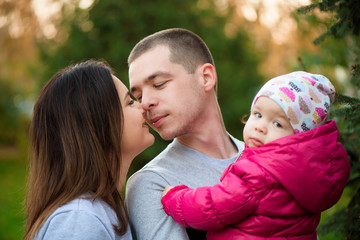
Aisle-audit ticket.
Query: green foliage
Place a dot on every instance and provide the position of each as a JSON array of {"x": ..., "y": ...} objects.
[
  {"x": 12, "y": 185},
  {"x": 14, "y": 121},
  {"x": 346, "y": 109},
  {"x": 346, "y": 14},
  {"x": 9, "y": 113},
  {"x": 110, "y": 29}
]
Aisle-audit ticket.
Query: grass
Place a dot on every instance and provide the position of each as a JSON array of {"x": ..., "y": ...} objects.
[{"x": 12, "y": 185}]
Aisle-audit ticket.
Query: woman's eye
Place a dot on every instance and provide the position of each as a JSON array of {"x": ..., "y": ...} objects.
[{"x": 131, "y": 102}]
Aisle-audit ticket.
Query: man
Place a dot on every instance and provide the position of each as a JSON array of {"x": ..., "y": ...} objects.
[{"x": 173, "y": 75}]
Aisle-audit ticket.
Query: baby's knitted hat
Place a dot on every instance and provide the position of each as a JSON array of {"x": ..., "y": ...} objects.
[{"x": 304, "y": 97}]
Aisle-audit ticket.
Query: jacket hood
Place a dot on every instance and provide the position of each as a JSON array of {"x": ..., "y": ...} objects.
[{"x": 312, "y": 166}]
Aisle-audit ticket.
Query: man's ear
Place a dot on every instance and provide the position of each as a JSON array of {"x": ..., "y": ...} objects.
[{"x": 209, "y": 77}]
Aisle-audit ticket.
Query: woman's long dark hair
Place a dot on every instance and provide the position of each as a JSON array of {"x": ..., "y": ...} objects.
[{"x": 75, "y": 143}]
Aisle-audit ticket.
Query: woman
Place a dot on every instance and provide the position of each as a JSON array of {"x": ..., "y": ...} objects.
[{"x": 85, "y": 132}]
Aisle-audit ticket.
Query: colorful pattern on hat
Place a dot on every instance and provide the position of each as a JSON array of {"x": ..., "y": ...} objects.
[{"x": 304, "y": 97}]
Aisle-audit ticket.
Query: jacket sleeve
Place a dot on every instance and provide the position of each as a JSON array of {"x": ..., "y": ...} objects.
[{"x": 212, "y": 208}]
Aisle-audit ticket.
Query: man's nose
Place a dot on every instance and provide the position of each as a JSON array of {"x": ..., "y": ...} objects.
[{"x": 148, "y": 101}]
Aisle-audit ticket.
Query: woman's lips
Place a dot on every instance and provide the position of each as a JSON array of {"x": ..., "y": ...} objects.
[{"x": 145, "y": 126}]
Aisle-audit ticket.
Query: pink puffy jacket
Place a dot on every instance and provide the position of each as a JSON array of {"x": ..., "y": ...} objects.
[{"x": 276, "y": 191}]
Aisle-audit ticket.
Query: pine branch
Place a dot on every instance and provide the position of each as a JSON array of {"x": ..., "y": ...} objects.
[
  {"x": 344, "y": 223},
  {"x": 302, "y": 63},
  {"x": 347, "y": 99},
  {"x": 308, "y": 8},
  {"x": 333, "y": 30}
]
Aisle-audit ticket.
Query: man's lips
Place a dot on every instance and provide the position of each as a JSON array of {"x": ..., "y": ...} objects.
[
  {"x": 156, "y": 121},
  {"x": 256, "y": 142}
]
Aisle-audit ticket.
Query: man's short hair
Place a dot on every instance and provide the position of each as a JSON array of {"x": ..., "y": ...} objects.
[{"x": 186, "y": 48}]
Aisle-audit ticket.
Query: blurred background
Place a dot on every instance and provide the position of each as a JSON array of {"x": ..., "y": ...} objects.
[{"x": 251, "y": 42}]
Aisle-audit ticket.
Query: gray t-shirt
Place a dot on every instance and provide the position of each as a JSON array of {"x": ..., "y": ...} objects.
[
  {"x": 82, "y": 219},
  {"x": 176, "y": 165}
]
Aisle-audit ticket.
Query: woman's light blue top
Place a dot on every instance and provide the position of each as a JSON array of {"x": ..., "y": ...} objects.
[{"x": 82, "y": 219}]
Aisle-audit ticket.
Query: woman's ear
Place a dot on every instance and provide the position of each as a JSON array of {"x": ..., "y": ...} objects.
[{"x": 209, "y": 77}]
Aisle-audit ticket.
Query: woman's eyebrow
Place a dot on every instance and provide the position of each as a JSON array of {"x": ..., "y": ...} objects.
[{"x": 127, "y": 94}]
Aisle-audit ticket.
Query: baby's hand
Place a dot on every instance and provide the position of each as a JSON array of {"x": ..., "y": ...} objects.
[{"x": 166, "y": 190}]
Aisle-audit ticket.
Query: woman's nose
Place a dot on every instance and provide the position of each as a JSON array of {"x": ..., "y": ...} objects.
[{"x": 141, "y": 109}]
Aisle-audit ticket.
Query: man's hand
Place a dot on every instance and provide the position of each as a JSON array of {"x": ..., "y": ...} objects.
[{"x": 167, "y": 188}]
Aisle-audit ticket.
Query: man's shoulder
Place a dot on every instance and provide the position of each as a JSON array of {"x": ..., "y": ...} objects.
[
  {"x": 155, "y": 169},
  {"x": 165, "y": 160}
]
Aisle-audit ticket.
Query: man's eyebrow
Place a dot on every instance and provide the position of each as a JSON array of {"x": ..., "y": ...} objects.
[
  {"x": 151, "y": 78},
  {"x": 158, "y": 74},
  {"x": 133, "y": 89}
]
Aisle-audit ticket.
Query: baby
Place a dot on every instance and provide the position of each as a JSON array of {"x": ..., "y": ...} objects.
[{"x": 293, "y": 168}]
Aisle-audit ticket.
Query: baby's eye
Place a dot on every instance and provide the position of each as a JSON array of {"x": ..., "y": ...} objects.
[
  {"x": 258, "y": 115},
  {"x": 277, "y": 124}
]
